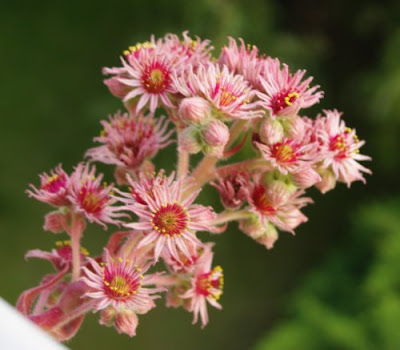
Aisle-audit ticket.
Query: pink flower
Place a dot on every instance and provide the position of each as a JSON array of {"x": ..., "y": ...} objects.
[
  {"x": 91, "y": 198},
  {"x": 276, "y": 204},
  {"x": 233, "y": 189},
  {"x": 340, "y": 148},
  {"x": 168, "y": 219},
  {"x": 193, "y": 52},
  {"x": 206, "y": 286},
  {"x": 147, "y": 72},
  {"x": 59, "y": 257},
  {"x": 289, "y": 155},
  {"x": 284, "y": 94},
  {"x": 129, "y": 140},
  {"x": 53, "y": 188},
  {"x": 244, "y": 60},
  {"x": 120, "y": 283},
  {"x": 229, "y": 94}
]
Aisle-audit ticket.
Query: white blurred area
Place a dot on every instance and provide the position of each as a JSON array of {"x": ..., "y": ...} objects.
[{"x": 18, "y": 333}]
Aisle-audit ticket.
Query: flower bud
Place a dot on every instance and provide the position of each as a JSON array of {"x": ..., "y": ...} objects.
[
  {"x": 271, "y": 131},
  {"x": 194, "y": 110},
  {"x": 107, "y": 317},
  {"x": 328, "y": 181},
  {"x": 216, "y": 134},
  {"x": 126, "y": 322},
  {"x": 306, "y": 178},
  {"x": 263, "y": 233},
  {"x": 116, "y": 87},
  {"x": 55, "y": 222},
  {"x": 190, "y": 140}
]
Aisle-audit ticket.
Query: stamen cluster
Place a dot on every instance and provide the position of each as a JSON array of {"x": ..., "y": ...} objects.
[{"x": 175, "y": 92}]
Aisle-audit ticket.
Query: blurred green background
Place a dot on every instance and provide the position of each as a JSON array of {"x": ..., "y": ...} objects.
[{"x": 336, "y": 285}]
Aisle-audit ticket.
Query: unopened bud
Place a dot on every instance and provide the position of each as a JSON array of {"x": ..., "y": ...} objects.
[
  {"x": 126, "y": 322},
  {"x": 328, "y": 181},
  {"x": 271, "y": 131},
  {"x": 190, "y": 140},
  {"x": 216, "y": 134},
  {"x": 194, "y": 110},
  {"x": 116, "y": 87},
  {"x": 107, "y": 317},
  {"x": 55, "y": 222}
]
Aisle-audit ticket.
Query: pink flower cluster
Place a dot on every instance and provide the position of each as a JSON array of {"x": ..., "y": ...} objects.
[{"x": 176, "y": 92}]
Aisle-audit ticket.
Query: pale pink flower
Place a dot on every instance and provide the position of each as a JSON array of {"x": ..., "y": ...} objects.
[
  {"x": 168, "y": 219},
  {"x": 289, "y": 155},
  {"x": 147, "y": 72},
  {"x": 206, "y": 286},
  {"x": 233, "y": 189},
  {"x": 130, "y": 140},
  {"x": 244, "y": 60},
  {"x": 60, "y": 257},
  {"x": 192, "y": 51},
  {"x": 53, "y": 188},
  {"x": 276, "y": 204},
  {"x": 340, "y": 148},
  {"x": 121, "y": 284},
  {"x": 283, "y": 93},
  {"x": 91, "y": 198},
  {"x": 229, "y": 94}
]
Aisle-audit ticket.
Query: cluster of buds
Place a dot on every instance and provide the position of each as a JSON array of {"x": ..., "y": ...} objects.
[{"x": 176, "y": 92}]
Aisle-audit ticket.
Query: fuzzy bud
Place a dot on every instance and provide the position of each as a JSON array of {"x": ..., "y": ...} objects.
[
  {"x": 126, "y": 322},
  {"x": 306, "y": 178},
  {"x": 55, "y": 222},
  {"x": 265, "y": 234},
  {"x": 194, "y": 110},
  {"x": 216, "y": 134},
  {"x": 190, "y": 140},
  {"x": 116, "y": 87},
  {"x": 215, "y": 137},
  {"x": 107, "y": 317},
  {"x": 271, "y": 131},
  {"x": 328, "y": 181}
]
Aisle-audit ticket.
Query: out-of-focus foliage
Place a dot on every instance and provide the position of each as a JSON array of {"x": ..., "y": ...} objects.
[{"x": 352, "y": 301}]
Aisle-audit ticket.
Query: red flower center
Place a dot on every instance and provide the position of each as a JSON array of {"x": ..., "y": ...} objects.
[
  {"x": 210, "y": 284},
  {"x": 121, "y": 280},
  {"x": 170, "y": 220},
  {"x": 54, "y": 183},
  {"x": 92, "y": 200},
  {"x": 282, "y": 100},
  {"x": 156, "y": 78},
  {"x": 261, "y": 201},
  {"x": 284, "y": 152}
]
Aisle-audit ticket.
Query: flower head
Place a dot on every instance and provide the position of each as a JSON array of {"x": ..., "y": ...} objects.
[
  {"x": 92, "y": 198},
  {"x": 340, "y": 148},
  {"x": 284, "y": 94},
  {"x": 168, "y": 219},
  {"x": 233, "y": 189},
  {"x": 275, "y": 203},
  {"x": 229, "y": 94},
  {"x": 206, "y": 286},
  {"x": 243, "y": 59},
  {"x": 119, "y": 283},
  {"x": 147, "y": 72},
  {"x": 129, "y": 140},
  {"x": 53, "y": 188}
]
